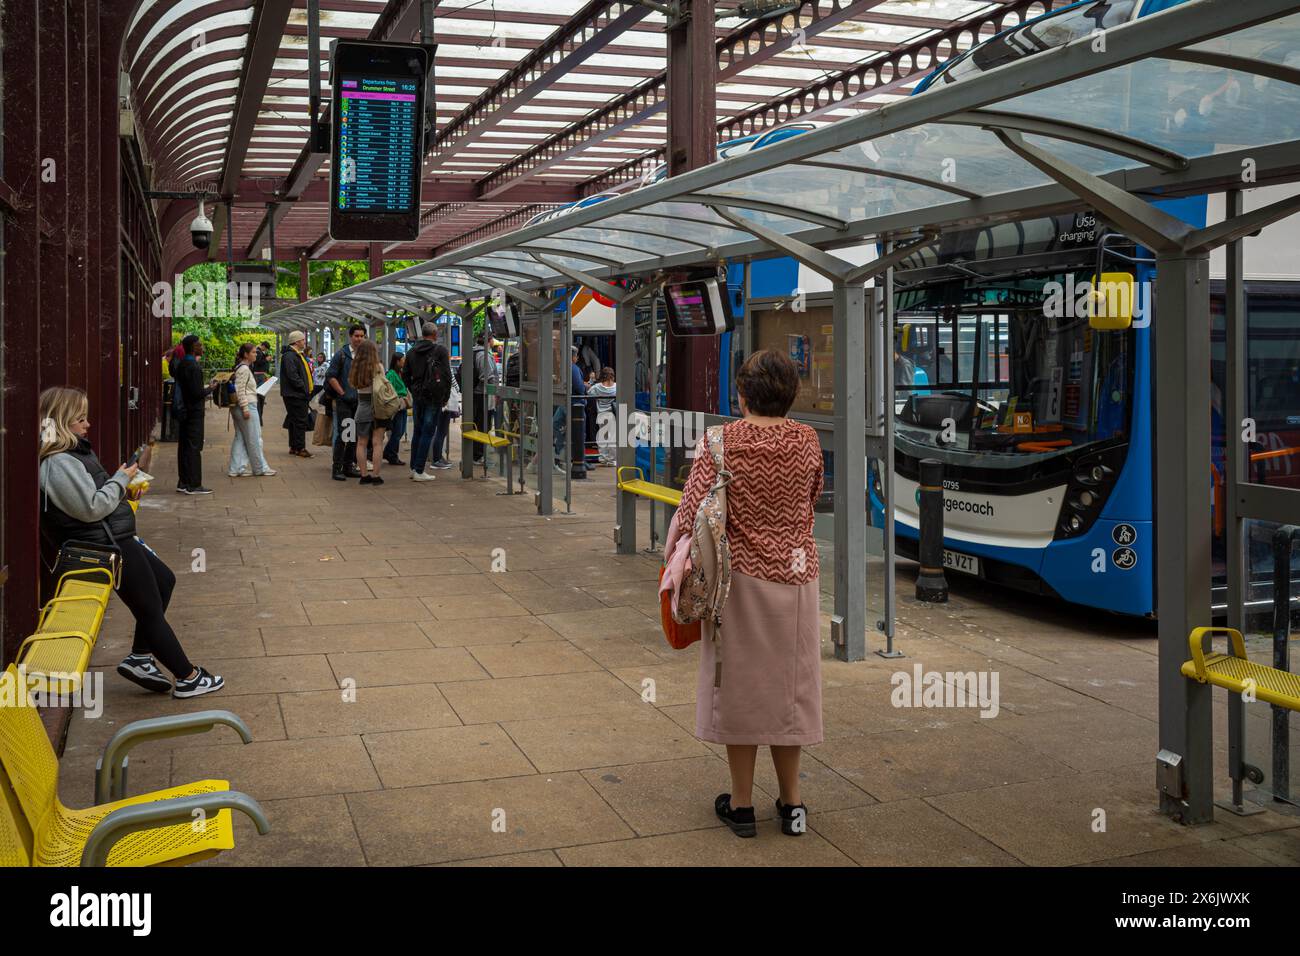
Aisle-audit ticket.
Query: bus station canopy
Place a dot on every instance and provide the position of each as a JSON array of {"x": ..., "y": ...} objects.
[{"x": 1199, "y": 98}]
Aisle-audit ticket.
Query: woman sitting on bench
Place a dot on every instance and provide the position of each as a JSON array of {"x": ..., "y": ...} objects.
[{"x": 81, "y": 502}]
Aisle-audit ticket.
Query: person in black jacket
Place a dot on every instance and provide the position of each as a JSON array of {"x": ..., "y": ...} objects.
[
  {"x": 189, "y": 398},
  {"x": 427, "y": 375},
  {"x": 80, "y": 501},
  {"x": 344, "y": 397},
  {"x": 296, "y": 388}
]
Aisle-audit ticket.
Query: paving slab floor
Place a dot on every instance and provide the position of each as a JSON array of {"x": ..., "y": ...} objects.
[{"x": 435, "y": 674}]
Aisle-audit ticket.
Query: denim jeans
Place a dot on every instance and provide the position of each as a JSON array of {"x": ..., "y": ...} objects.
[
  {"x": 441, "y": 429},
  {"x": 423, "y": 429},
  {"x": 246, "y": 446},
  {"x": 393, "y": 445}
]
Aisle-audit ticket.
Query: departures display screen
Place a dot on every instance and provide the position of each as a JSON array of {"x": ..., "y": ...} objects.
[
  {"x": 377, "y": 141},
  {"x": 377, "y": 128}
]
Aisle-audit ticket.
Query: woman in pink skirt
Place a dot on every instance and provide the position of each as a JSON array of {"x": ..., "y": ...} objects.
[{"x": 769, "y": 689}]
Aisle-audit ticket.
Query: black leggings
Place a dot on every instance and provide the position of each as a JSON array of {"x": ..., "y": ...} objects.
[{"x": 146, "y": 590}]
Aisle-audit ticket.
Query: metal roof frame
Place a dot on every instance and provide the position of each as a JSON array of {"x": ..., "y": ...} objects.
[{"x": 1150, "y": 169}]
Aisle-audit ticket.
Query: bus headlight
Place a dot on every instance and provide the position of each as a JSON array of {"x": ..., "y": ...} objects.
[{"x": 1089, "y": 487}]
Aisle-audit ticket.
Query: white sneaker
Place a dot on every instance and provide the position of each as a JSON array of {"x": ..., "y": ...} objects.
[
  {"x": 421, "y": 476},
  {"x": 266, "y": 474}
]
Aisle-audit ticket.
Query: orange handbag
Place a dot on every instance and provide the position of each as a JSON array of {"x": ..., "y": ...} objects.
[{"x": 679, "y": 636}]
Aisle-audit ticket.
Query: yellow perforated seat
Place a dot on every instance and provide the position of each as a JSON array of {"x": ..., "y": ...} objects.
[
  {"x": 1234, "y": 672},
  {"x": 59, "y": 652},
  {"x": 58, "y": 834},
  {"x": 647, "y": 489},
  {"x": 492, "y": 439}
]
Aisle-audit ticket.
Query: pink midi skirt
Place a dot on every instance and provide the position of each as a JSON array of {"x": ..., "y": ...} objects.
[{"x": 771, "y": 687}]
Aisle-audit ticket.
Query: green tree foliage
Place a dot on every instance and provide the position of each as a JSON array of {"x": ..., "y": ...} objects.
[{"x": 221, "y": 334}]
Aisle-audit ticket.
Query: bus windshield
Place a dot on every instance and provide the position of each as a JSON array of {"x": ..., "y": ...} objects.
[{"x": 995, "y": 374}]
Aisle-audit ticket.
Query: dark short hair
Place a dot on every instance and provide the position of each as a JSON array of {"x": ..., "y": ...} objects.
[
  {"x": 355, "y": 327},
  {"x": 768, "y": 382},
  {"x": 188, "y": 343}
]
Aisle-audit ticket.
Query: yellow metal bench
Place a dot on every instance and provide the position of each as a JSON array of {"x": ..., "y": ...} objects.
[
  {"x": 1234, "y": 672},
  {"x": 167, "y": 827},
  {"x": 647, "y": 489},
  {"x": 58, "y": 653},
  {"x": 492, "y": 439}
]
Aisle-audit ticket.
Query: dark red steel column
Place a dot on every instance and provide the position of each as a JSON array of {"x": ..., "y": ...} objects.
[
  {"x": 19, "y": 23},
  {"x": 78, "y": 355},
  {"x": 109, "y": 22},
  {"x": 692, "y": 121},
  {"x": 53, "y": 179}
]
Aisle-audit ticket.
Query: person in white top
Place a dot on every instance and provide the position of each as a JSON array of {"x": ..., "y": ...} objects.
[
  {"x": 246, "y": 455},
  {"x": 606, "y": 422}
]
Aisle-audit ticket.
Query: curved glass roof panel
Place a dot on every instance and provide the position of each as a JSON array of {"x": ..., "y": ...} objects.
[
  {"x": 605, "y": 250},
  {"x": 650, "y": 244},
  {"x": 1190, "y": 108}
]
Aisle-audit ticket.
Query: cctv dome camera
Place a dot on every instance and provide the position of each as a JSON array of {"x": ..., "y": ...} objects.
[{"x": 201, "y": 230}]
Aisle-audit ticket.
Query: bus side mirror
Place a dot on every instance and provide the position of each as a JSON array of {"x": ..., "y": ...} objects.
[{"x": 1112, "y": 301}]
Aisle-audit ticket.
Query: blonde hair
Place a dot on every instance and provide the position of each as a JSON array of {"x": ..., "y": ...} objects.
[
  {"x": 365, "y": 366},
  {"x": 60, "y": 408}
]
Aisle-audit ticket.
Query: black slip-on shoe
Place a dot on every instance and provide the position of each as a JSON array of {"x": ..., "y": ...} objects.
[
  {"x": 794, "y": 818},
  {"x": 740, "y": 819}
]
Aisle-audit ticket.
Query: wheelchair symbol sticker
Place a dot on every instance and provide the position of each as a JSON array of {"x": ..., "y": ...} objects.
[
  {"x": 1124, "y": 558},
  {"x": 1124, "y": 534}
]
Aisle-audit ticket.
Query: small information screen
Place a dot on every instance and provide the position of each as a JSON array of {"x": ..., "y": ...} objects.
[
  {"x": 696, "y": 307},
  {"x": 377, "y": 131},
  {"x": 377, "y": 140}
]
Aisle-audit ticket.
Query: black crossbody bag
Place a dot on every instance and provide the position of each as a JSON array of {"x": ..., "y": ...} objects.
[{"x": 77, "y": 555}]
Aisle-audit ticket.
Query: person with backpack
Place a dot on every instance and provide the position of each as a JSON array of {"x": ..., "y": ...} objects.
[
  {"x": 427, "y": 374},
  {"x": 377, "y": 402},
  {"x": 760, "y": 669},
  {"x": 246, "y": 448},
  {"x": 189, "y": 398}
]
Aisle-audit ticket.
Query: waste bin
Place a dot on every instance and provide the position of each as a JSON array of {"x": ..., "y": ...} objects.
[{"x": 168, "y": 432}]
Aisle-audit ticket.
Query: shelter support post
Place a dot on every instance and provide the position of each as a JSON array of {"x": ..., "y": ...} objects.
[
  {"x": 625, "y": 404},
  {"x": 1182, "y": 465},
  {"x": 545, "y": 412},
  {"x": 849, "y": 324},
  {"x": 881, "y": 402},
  {"x": 1234, "y": 400},
  {"x": 467, "y": 409}
]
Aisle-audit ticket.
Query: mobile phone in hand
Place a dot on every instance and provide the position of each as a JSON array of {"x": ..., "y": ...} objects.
[{"x": 135, "y": 456}]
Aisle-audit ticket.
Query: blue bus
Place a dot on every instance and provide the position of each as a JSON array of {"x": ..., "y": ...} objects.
[{"x": 1044, "y": 423}]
